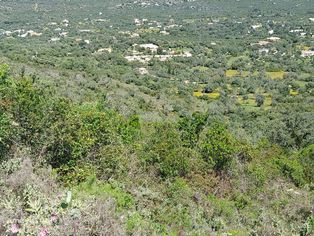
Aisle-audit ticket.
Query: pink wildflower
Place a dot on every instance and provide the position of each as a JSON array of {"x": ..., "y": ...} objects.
[
  {"x": 54, "y": 218},
  {"x": 15, "y": 228},
  {"x": 43, "y": 232}
]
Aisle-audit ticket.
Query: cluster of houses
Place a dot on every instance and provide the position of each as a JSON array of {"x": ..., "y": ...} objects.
[
  {"x": 144, "y": 58},
  {"x": 156, "y": 24},
  {"x": 20, "y": 33},
  {"x": 269, "y": 40},
  {"x": 152, "y": 50}
]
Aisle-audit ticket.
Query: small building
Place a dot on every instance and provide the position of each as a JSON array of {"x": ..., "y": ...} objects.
[
  {"x": 102, "y": 50},
  {"x": 54, "y": 39},
  {"x": 33, "y": 33},
  {"x": 263, "y": 43},
  {"x": 164, "y": 32},
  {"x": 149, "y": 46},
  {"x": 7, "y": 33},
  {"x": 296, "y": 31},
  {"x": 256, "y": 26},
  {"x": 263, "y": 51},
  {"x": 143, "y": 71},
  {"x": 274, "y": 39},
  {"x": 63, "y": 34},
  {"x": 307, "y": 53}
]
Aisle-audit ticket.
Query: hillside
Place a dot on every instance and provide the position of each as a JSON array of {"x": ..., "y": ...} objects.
[{"x": 156, "y": 117}]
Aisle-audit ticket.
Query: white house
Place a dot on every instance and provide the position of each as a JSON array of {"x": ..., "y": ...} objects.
[
  {"x": 307, "y": 53},
  {"x": 149, "y": 46}
]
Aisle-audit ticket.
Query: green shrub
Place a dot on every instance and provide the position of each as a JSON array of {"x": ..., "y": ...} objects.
[
  {"x": 258, "y": 174},
  {"x": 6, "y": 121},
  {"x": 307, "y": 161},
  {"x": 167, "y": 153},
  {"x": 73, "y": 173},
  {"x": 93, "y": 187},
  {"x": 30, "y": 110},
  {"x": 130, "y": 128},
  {"x": 292, "y": 169},
  {"x": 6, "y": 134},
  {"x": 133, "y": 222},
  {"x": 4, "y": 72},
  {"x": 178, "y": 189},
  {"x": 217, "y": 147},
  {"x": 84, "y": 130},
  {"x": 240, "y": 200},
  {"x": 162, "y": 140},
  {"x": 308, "y": 227},
  {"x": 191, "y": 128},
  {"x": 176, "y": 163},
  {"x": 112, "y": 161},
  {"x": 222, "y": 207}
]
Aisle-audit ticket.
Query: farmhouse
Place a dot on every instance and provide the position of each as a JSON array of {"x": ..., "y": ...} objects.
[
  {"x": 23, "y": 35},
  {"x": 307, "y": 53},
  {"x": 143, "y": 71},
  {"x": 147, "y": 58},
  {"x": 101, "y": 20},
  {"x": 63, "y": 34},
  {"x": 85, "y": 31},
  {"x": 52, "y": 23},
  {"x": 33, "y": 33},
  {"x": 256, "y": 26},
  {"x": 263, "y": 43},
  {"x": 164, "y": 32},
  {"x": 28, "y": 33},
  {"x": 7, "y": 33},
  {"x": 54, "y": 39},
  {"x": 140, "y": 58},
  {"x": 263, "y": 50},
  {"x": 149, "y": 46},
  {"x": 172, "y": 26},
  {"x": 101, "y": 50},
  {"x": 65, "y": 22},
  {"x": 274, "y": 39},
  {"x": 134, "y": 35},
  {"x": 296, "y": 31}
]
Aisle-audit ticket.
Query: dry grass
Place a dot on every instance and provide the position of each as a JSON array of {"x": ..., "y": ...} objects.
[
  {"x": 232, "y": 73},
  {"x": 29, "y": 197},
  {"x": 294, "y": 92},
  {"x": 251, "y": 103},
  {"x": 272, "y": 75},
  {"x": 213, "y": 95},
  {"x": 276, "y": 75}
]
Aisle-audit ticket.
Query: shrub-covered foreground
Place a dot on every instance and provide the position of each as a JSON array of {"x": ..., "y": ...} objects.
[{"x": 83, "y": 169}]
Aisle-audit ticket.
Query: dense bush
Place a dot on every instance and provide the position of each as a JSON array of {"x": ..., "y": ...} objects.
[
  {"x": 217, "y": 147},
  {"x": 306, "y": 157},
  {"x": 6, "y": 121},
  {"x": 5, "y": 134},
  {"x": 177, "y": 163},
  {"x": 292, "y": 168},
  {"x": 188, "y": 175}
]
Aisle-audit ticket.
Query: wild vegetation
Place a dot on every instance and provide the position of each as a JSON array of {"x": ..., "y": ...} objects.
[{"x": 156, "y": 118}]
